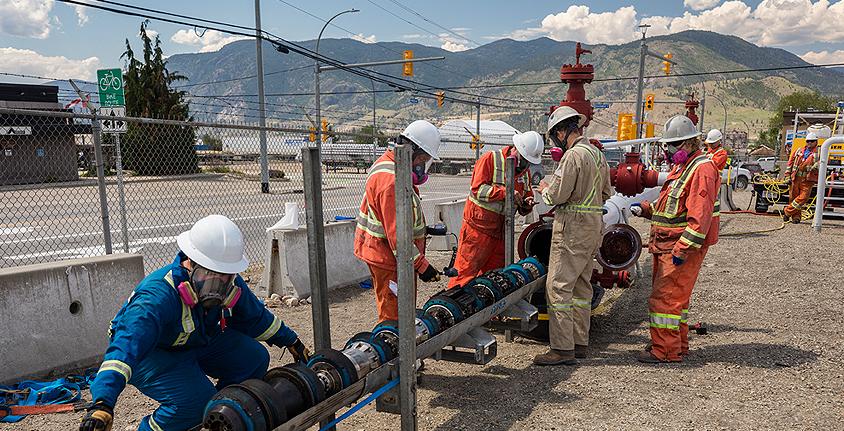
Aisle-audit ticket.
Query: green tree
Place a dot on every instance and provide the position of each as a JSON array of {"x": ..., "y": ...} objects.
[
  {"x": 156, "y": 149},
  {"x": 801, "y": 101},
  {"x": 364, "y": 136}
]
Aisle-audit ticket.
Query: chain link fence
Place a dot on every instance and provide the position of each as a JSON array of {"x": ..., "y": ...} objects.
[{"x": 57, "y": 205}]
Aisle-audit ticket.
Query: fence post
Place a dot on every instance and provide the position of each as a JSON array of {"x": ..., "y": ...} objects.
[
  {"x": 118, "y": 161},
  {"x": 96, "y": 132},
  {"x": 406, "y": 287},
  {"x": 316, "y": 246}
]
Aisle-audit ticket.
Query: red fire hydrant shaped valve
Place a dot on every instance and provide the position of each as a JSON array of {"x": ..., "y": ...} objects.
[{"x": 631, "y": 177}]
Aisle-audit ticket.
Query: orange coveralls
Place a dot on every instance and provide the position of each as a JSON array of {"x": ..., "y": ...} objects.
[
  {"x": 480, "y": 246},
  {"x": 803, "y": 171},
  {"x": 375, "y": 235},
  {"x": 684, "y": 223},
  {"x": 718, "y": 156}
]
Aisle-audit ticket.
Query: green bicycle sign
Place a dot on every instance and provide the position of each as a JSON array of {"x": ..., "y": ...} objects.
[{"x": 110, "y": 86}]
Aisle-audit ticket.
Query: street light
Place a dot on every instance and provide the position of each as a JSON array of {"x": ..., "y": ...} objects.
[{"x": 316, "y": 76}]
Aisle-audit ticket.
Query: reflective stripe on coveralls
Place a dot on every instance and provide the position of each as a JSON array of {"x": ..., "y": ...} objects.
[
  {"x": 671, "y": 217},
  {"x": 119, "y": 366},
  {"x": 667, "y": 321},
  {"x": 485, "y": 190},
  {"x": 187, "y": 319},
  {"x": 586, "y": 206}
]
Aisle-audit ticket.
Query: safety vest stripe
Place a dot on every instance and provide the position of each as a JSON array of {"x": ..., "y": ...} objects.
[
  {"x": 153, "y": 425},
  {"x": 695, "y": 233},
  {"x": 665, "y": 321},
  {"x": 676, "y": 189},
  {"x": 271, "y": 330},
  {"x": 484, "y": 192},
  {"x": 684, "y": 316},
  {"x": 496, "y": 207},
  {"x": 586, "y": 206},
  {"x": 582, "y": 303},
  {"x": 187, "y": 318},
  {"x": 560, "y": 307},
  {"x": 498, "y": 167},
  {"x": 385, "y": 166},
  {"x": 689, "y": 242},
  {"x": 118, "y": 366},
  {"x": 576, "y": 208}
]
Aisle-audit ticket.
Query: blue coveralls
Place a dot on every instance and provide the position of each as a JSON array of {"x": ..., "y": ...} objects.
[{"x": 166, "y": 349}]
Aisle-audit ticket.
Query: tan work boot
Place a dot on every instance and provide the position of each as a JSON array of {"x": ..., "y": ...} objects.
[
  {"x": 581, "y": 352},
  {"x": 556, "y": 357}
]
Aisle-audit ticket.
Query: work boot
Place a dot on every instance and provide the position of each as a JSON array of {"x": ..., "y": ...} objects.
[
  {"x": 795, "y": 221},
  {"x": 581, "y": 352},
  {"x": 786, "y": 218},
  {"x": 648, "y": 358},
  {"x": 556, "y": 357}
]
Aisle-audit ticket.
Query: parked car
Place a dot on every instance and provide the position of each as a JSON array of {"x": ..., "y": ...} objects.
[
  {"x": 767, "y": 163},
  {"x": 739, "y": 177},
  {"x": 754, "y": 168}
]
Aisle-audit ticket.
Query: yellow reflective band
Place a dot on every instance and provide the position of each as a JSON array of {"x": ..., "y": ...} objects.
[
  {"x": 582, "y": 303},
  {"x": 684, "y": 316},
  {"x": 270, "y": 332},
  {"x": 560, "y": 307},
  {"x": 496, "y": 207},
  {"x": 119, "y": 366},
  {"x": 498, "y": 167},
  {"x": 689, "y": 242},
  {"x": 693, "y": 232},
  {"x": 664, "y": 321},
  {"x": 577, "y": 208},
  {"x": 154, "y": 425},
  {"x": 187, "y": 318},
  {"x": 484, "y": 192}
]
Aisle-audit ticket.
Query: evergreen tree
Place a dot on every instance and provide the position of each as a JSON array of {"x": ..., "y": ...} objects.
[{"x": 156, "y": 149}]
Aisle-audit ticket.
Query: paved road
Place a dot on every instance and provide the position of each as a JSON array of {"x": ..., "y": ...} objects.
[{"x": 50, "y": 224}]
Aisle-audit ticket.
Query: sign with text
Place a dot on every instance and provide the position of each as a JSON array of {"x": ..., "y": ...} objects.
[
  {"x": 109, "y": 121},
  {"x": 110, "y": 86}
]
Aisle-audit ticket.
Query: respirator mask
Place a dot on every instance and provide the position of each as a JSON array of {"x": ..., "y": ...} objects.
[
  {"x": 420, "y": 173},
  {"x": 212, "y": 288},
  {"x": 675, "y": 154}
]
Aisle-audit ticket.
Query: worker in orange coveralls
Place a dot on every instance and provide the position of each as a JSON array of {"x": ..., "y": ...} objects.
[
  {"x": 375, "y": 235},
  {"x": 802, "y": 171},
  {"x": 480, "y": 247},
  {"x": 714, "y": 149},
  {"x": 684, "y": 224}
]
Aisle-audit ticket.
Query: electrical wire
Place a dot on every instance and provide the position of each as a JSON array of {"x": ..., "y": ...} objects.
[{"x": 401, "y": 5}]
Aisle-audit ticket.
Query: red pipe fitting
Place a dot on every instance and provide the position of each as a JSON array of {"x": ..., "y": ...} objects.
[{"x": 631, "y": 177}]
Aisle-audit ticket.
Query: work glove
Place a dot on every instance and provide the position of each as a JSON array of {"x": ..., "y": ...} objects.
[
  {"x": 677, "y": 261},
  {"x": 300, "y": 353},
  {"x": 430, "y": 275},
  {"x": 636, "y": 209},
  {"x": 99, "y": 418}
]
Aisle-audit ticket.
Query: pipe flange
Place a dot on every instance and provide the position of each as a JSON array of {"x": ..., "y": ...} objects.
[
  {"x": 338, "y": 365},
  {"x": 305, "y": 380}
]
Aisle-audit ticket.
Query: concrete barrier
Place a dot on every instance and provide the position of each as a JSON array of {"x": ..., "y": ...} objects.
[
  {"x": 286, "y": 264},
  {"x": 55, "y": 316},
  {"x": 450, "y": 214}
]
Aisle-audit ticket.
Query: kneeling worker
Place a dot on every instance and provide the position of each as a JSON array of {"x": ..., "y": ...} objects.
[
  {"x": 684, "y": 224},
  {"x": 375, "y": 235},
  {"x": 480, "y": 247},
  {"x": 184, "y": 322},
  {"x": 577, "y": 190}
]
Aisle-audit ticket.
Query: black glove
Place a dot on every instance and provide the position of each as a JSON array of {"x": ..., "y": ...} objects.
[
  {"x": 430, "y": 275},
  {"x": 300, "y": 353},
  {"x": 98, "y": 418}
]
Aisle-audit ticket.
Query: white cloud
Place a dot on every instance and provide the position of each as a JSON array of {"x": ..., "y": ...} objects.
[
  {"x": 413, "y": 36},
  {"x": 824, "y": 57},
  {"x": 365, "y": 39},
  {"x": 771, "y": 23},
  {"x": 211, "y": 40},
  {"x": 29, "y": 62},
  {"x": 26, "y": 18},
  {"x": 453, "y": 46},
  {"x": 700, "y": 4},
  {"x": 81, "y": 15}
]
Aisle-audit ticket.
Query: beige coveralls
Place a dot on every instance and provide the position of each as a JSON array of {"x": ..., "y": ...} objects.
[{"x": 578, "y": 189}]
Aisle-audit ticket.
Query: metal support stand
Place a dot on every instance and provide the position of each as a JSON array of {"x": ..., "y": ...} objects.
[
  {"x": 473, "y": 347},
  {"x": 509, "y": 209},
  {"x": 121, "y": 195},
  {"x": 316, "y": 247},
  {"x": 101, "y": 186},
  {"x": 406, "y": 287}
]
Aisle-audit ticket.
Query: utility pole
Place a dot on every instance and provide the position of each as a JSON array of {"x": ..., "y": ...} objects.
[
  {"x": 640, "y": 86},
  {"x": 478, "y": 132},
  {"x": 262, "y": 120}
]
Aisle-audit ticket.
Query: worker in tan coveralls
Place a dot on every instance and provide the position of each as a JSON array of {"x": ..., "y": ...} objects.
[{"x": 577, "y": 190}]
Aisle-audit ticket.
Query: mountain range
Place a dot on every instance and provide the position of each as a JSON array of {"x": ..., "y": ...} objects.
[{"x": 213, "y": 78}]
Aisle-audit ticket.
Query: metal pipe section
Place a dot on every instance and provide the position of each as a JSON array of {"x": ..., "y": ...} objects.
[
  {"x": 406, "y": 284},
  {"x": 316, "y": 246},
  {"x": 509, "y": 210},
  {"x": 619, "y": 144},
  {"x": 821, "y": 194}
]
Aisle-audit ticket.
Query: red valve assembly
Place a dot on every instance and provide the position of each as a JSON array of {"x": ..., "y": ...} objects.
[{"x": 631, "y": 177}]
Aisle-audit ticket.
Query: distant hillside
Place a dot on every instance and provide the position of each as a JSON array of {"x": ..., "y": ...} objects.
[{"x": 749, "y": 97}]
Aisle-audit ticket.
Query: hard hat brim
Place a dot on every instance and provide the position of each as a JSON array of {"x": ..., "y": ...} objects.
[
  {"x": 710, "y": 141},
  {"x": 679, "y": 138},
  {"x": 186, "y": 246}
]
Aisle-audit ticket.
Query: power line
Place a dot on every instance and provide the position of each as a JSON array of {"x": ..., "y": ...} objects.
[
  {"x": 432, "y": 22},
  {"x": 242, "y": 78}
]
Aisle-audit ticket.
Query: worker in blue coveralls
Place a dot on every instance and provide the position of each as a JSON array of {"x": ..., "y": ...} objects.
[{"x": 191, "y": 319}]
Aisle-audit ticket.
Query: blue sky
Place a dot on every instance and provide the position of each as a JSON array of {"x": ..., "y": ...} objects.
[{"x": 56, "y": 39}]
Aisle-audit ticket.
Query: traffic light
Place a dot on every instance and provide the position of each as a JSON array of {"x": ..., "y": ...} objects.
[
  {"x": 666, "y": 65},
  {"x": 408, "y": 65},
  {"x": 440, "y": 98},
  {"x": 476, "y": 142},
  {"x": 626, "y": 127},
  {"x": 312, "y": 135},
  {"x": 649, "y": 102},
  {"x": 325, "y": 130}
]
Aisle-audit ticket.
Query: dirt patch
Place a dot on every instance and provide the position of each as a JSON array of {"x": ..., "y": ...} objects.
[{"x": 772, "y": 359}]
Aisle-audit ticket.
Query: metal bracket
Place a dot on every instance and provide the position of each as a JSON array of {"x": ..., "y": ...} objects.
[
  {"x": 389, "y": 401},
  {"x": 474, "y": 347},
  {"x": 522, "y": 316}
]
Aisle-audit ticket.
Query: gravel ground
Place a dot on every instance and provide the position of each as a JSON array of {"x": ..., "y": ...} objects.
[{"x": 772, "y": 359}]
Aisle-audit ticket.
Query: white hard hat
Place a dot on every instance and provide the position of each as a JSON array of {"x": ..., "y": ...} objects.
[
  {"x": 564, "y": 113},
  {"x": 215, "y": 243},
  {"x": 425, "y": 135},
  {"x": 714, "y": 136},
  {"x": 678, "y": 128},
  {"x": 811, "y": 136},
  {"x": 530, "y": 146}
]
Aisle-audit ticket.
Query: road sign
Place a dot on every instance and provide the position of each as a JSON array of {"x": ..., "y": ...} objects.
[
  {"x": 110, "y": 86},
  {"x": 601, "y": 105},
  {"x": 413, "y": 100},
  {"x": 111, "y": 125},
  {"x": 15, "y": 130}
]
